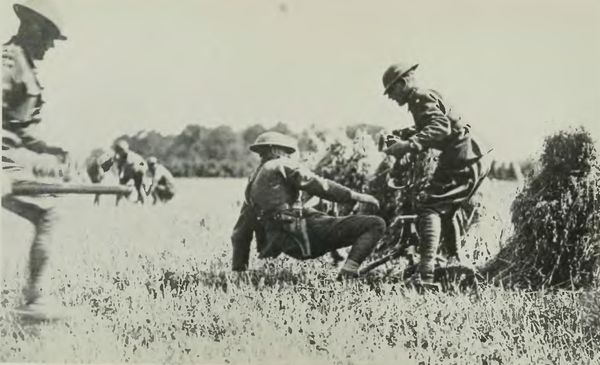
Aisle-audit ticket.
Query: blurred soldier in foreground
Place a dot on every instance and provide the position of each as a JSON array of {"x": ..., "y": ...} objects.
[
  {"x": 130, "y": 166},
  {"x": 163, "y": 184},
  {"x": 460, "y": 169},
  {"x": 21, "y": 104},
  {"x": 273, "y": 213}
]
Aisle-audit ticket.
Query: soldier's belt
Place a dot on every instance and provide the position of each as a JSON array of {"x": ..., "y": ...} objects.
[
  {"x": 294, "y": 223},
  {"x": 279, "y": 213}
]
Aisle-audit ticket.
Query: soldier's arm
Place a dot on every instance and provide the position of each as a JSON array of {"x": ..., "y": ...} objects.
[
  {"x": 31, "y": 143},
  {"x": 243, "y": 231},
  {"x": 18, "y": 78},
  {"x": 306, "y": 180},
  {"x": 431, "y": 112}
]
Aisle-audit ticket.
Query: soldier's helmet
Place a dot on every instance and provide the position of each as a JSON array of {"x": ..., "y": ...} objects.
[
  {"x": 272, "y": 138},
  {"x": 43, "y": 11},
  {"x": 394, "y": 73},
  {"x": 121, "y": 146},
  {"x": 152, "y": 160}
]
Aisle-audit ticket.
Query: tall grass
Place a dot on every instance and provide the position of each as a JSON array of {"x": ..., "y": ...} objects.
[{"x": 152, "y": 284}]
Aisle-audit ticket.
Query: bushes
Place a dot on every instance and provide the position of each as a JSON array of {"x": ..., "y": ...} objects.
[{"x": 556, "y": 219}]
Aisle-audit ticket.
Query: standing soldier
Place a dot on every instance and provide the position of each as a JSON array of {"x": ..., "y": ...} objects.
[
  {"x": 273, "y": 213},
  {"x": 163, "y": 184},
  {"x": 21, "y": 103},
  {"x": 460, "y": 169},
  {"x": 131, "y": 167}
]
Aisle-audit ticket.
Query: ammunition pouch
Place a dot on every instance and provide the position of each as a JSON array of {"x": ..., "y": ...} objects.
[{"x": 292, "y": 222}]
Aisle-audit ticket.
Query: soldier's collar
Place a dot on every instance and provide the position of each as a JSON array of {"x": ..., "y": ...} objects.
[{"x": 411, "y": 92}]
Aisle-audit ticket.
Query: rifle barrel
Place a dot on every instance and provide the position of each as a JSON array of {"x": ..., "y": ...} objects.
[{"x": 44, "y": 188}]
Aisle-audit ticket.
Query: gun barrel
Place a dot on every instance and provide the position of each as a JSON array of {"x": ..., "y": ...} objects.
[{"x": 43, "y": 188}]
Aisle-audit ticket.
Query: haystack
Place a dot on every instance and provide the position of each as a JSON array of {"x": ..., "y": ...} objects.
[{"x": 556, "y": 220}]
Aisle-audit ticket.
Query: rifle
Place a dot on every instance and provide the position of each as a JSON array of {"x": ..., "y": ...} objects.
[{"x": 37, "y": 188}]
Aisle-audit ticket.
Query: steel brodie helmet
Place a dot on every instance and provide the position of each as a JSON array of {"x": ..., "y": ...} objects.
[
  {"x": 268, "y": 139},
  {"x": 41, "y": 10},
  {"x": 394, "y": 73}
]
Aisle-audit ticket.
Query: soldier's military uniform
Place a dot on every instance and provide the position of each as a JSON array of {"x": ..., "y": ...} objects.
[
  {"x": 461, "y": 165},
  {"x": 132, "y": 167},
  {"x": 273, "y": 214},
  {"x": 162, "y": 186},
  {"x": 21, "y": 105}
]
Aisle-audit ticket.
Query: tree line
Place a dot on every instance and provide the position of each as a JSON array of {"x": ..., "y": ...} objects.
[{"x": 199, "y": 151}]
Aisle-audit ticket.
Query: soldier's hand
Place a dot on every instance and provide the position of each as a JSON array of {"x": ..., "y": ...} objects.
[
  {"x": 398, "y": 149},
  {"x": 367, "y": 199}
]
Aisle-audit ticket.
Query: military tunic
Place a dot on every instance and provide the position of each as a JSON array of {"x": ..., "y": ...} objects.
[
  {"x": 460, "y": 168},
  {"x": 21, "y": 106},
  {"x": 273, "y": 215}
]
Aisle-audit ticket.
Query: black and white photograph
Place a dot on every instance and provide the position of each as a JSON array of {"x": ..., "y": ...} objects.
[{"x": 300, "y": 182}]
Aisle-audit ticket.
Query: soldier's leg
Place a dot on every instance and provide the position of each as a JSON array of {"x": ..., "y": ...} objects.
[
  {"x": 43, "y": 220},
  {"x": 138, "y": 181},
  {"x": 373, "y": 228},
  {"x": 362, "y": 232},
  {"x": 449, "y": 188},
  {"x": 164, "y": 193},
  {"x": 429, "y": 226}
]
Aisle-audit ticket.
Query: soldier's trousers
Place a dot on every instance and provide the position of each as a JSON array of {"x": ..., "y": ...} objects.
[
  {"x": 138, "y": 182},
  {"x": 163, "y": 193},
  {"x": 43, "y": 219},
  {"x": 449, "y": 188},
  {"x": 328, "y": 233}
]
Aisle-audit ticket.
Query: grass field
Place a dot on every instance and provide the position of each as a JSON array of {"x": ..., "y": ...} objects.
[{"x": 109, "y": 262}]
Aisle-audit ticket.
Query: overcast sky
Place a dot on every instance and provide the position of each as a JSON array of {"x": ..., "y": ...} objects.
[{"x": 515, "y": 69}]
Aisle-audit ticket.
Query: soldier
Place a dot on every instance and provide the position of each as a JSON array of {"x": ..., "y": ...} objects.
[
  {"x": 273, "y": 213},
  {"x": 97, "y": 175},
  {"x": 460, "y": 169},
  {"x": 130, "y": 166},
  {"x": 163, "y": 184},
  {"x": 21, "y": 103}
]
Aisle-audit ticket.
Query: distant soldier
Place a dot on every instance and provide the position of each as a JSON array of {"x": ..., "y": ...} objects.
[
  {"x": 97, "y": 174},
  {"x": 21, "y": 103},
  {"x": 272, "y": 212},
  {"x": 130, "y": 166},
  {"x": 460, "y": 169},
  {"x": 162, "y": 186}
]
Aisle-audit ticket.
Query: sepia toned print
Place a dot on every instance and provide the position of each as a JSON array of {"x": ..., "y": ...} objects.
[{"x": 299, "y": 182}]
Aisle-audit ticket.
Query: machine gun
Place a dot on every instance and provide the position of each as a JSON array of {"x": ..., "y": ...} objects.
[{"x": 388, "y": 139}]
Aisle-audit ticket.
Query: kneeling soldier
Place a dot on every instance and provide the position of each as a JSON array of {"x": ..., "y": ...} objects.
[
  {"x": 162, "y": 186},
  {"x": 273, "y": 213}
]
